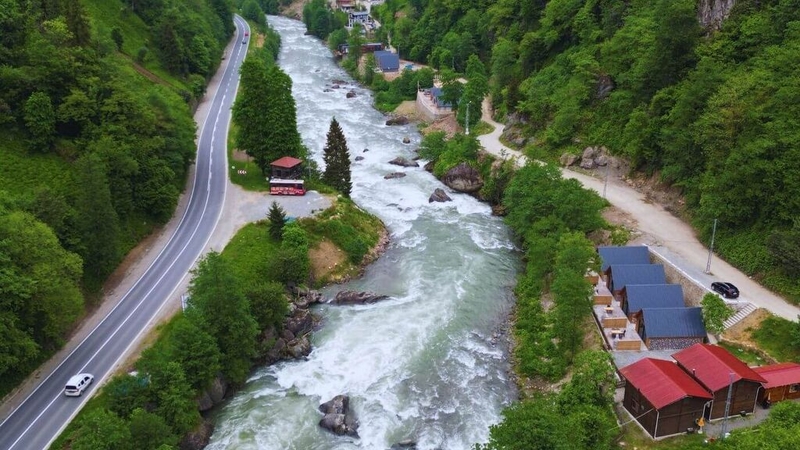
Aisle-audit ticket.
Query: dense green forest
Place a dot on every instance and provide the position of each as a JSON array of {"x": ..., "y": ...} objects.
[
  {"x": 96, "y": 135},
  {"x": 710, "y": 111}
]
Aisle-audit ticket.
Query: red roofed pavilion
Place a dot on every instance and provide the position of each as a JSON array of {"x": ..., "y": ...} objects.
[
  {"x": 783, "y": 381},
  {"x": 664, "y": 399},
  {"x": 716, "y": 369}
]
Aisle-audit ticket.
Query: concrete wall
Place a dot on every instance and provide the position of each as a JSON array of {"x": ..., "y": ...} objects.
[{"x": 692, "y": 293}]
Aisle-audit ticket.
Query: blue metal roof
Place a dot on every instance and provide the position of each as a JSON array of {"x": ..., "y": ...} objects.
[
  {"x": 673, "y": 323},
  {"x": 638, "y": 254},
  {"x": 641, "y": 296},
  {"x": 387, "y": 61},
  {"x": 625, "y": 274}
]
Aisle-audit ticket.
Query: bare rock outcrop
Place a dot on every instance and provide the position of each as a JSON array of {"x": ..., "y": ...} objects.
[
  {"x": 403, "y": 162},
  {"x": 711, "y": 13},
  {"x": 357, "y": 298},
  {"x": 338, "y": 418},
  {"x": 439, "y": 195},
  {"x": 463, "y": 178}
]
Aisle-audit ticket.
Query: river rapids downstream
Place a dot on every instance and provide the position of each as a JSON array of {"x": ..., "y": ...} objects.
[{"x": 421, "y": 365}]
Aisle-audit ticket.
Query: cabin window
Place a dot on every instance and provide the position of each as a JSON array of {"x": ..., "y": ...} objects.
[
  {"x": 794, "y": 388},
  {"x": 635, "y": 405}
]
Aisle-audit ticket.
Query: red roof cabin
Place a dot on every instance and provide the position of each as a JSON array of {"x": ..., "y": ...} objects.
[
  {"x": 287, "y": 177},
  {"x": 716, "y": 369},
  {"x": 664, "y": 399},
  {"x": 783, "y": 382}
]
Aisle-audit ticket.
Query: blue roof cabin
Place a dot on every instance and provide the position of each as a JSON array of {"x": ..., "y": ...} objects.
[
  {"x": 671, "y": 328},
  {"x": 635, "y": 297},
  {"x": 638, "y": 254},
  {"x": 387, "y": 61},
  {"x": 436, "y": 96},
  {"x": 620, "y": 275}
]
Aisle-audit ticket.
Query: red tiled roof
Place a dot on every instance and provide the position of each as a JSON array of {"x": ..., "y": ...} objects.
[
  {"x": 662, "y": 382},
  {"x": 712, "y": 366},
  {"x": 287, "y": 162},
  {"x": 782, "y": 374}
]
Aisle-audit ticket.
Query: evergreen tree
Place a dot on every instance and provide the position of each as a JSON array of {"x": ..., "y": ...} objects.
[
  {"x": 277, "y": 219},
  {"x": 337, "y": 160}
]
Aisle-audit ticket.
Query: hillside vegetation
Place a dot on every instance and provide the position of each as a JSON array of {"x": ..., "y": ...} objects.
[
  {"x": 96, "y": 135},
  {"x": 711, "y": 111}
]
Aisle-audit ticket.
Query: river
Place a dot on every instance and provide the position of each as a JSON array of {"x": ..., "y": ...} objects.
[{"x": 421, "y": 365}]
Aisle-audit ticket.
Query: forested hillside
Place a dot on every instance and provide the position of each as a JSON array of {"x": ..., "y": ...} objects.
[
  {"x": 710, "y": 110},
  {"x": 96, "y": 135}
]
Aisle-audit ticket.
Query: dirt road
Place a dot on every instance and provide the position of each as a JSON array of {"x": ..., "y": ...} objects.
[{"x": 664, "y": 233}]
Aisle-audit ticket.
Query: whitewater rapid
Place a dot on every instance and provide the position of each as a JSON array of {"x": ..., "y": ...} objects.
[{"x": 422, "y": 365}]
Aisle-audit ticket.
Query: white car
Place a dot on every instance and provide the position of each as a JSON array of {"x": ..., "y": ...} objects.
[{"x": 77, "y": 384}]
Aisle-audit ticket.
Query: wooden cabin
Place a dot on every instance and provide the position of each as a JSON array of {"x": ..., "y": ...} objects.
[
  {"x": 783, "y": 382},
  {"x": 287, "y": 177},
  {"x": 671, "y": 328},
  {"x": 635, "y": 297},
  {"x": 664, "y": 399},
  {"x": 632, "y": 254},
  {"x": 717, "y": 370},
  {"x": 620, "y": 275}
]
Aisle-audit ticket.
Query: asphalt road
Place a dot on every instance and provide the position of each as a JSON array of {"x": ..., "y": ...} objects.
[{"x": 43, "y": 415}]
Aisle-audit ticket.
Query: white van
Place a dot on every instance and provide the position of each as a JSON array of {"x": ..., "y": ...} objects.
[{"x": 77, "y": 384}]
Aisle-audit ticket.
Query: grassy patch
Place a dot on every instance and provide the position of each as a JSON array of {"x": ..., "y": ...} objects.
[
  {"x": 348, "y": 226},
  {"x": 750, "y": 357},
  {"x": 774, "y": 335},
  {"x": 482, "y": 128},
  {"x": 251, "y": 250},
  {"x": 23, "y": 172}
]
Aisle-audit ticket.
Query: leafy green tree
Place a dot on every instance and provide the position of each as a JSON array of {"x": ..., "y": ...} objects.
[
  {"x": 217, "y": 303},
  {"x": 40, "y": 120},
  {"x": 266, "y": 115},
  {"x": 96, "y": 220},
  {"x": 149, "y": 431},
  {"x": 196, "y": 351},
  {"x": 337, "y": 160},
  {"x": 277, "y": 220},
  {"x": 592, "y": 382},
  {"x": 533, "y": 424},
  {"x": 101, "y": 429},
  {"x": 715, "y": 312},
  {"x": 252, "y": 11},
  {"x": 292, "y": 264},
  {"x": 41, "y": 288},
  {"x": 125, "y": 393},
  {"x": 268, "y": 304},
  {"x": 172, "y": 395}
]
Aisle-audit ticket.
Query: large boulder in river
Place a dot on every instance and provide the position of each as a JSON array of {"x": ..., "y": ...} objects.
[
  {"x": 300, "y": 323},
  {"x": 338, "y": 418},
  {"x": 403, "y": 162},
  {"x": 298, "y": 348},
  {"x": 463, "y": 178},
  {"x": 351, "y": 94},
  {"x": 359, "y": 158},
  {"x": 390, "y": 176},
  {"x": 407, "y": 444},
  {"x": 397, "y": 120},
  {"x": 357, "y": 298},
  {"x": 439, "y": 195},
  {"x": 198, "y": 438}
]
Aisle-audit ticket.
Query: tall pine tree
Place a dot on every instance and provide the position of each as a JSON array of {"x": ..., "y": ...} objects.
[
  {"x": 277, "y": 219},
  {"x": 337, "y": 160}
]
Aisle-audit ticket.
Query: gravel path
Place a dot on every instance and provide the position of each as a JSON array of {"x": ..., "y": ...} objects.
[{"x": 664, "y": 233}]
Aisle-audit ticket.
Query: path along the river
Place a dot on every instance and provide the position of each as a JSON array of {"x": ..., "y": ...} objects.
[{"x": 667, "y": 235}]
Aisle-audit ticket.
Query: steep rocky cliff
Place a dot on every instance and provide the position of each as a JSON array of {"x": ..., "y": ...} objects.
[{"x": 711, "y": 13}]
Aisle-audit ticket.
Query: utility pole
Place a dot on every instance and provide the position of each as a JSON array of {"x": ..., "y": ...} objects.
[
  {"x": 467, "y": 133},
  {"x": 711, "y": 248},
  {"x": 727, "y": 407}
]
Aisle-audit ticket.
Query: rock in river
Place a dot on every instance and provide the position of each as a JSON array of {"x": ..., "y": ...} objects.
[
  {"x": 394, "y": 175},
  {"x": 338, "y": 418},
  {"x": 463, "y": 178},
  {"x": 403, "y": 162},
  {"x": 439, "y": 195},
  {"x": 357, "y": 298}
]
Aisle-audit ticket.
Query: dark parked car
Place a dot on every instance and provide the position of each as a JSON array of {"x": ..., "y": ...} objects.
[{"x": 725, "y": 289}]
